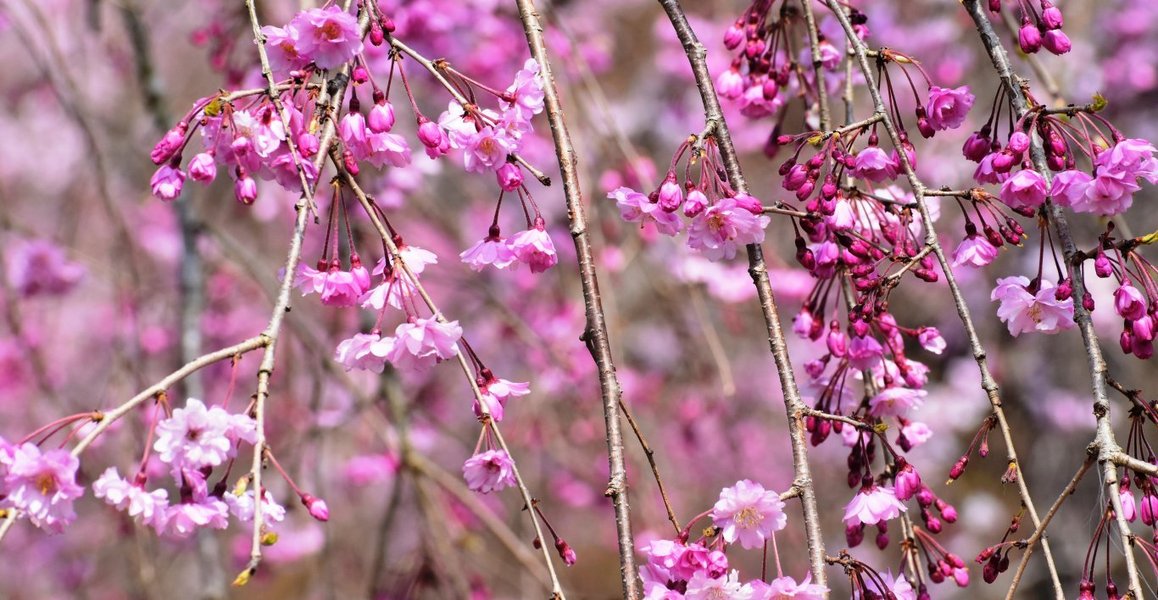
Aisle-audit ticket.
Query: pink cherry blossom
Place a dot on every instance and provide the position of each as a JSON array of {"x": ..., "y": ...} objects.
[
  {"x": 873, "y": 504},
  {"x": 931, "y": 340},
  {"x": 242, "y": 507},
  {"x": 196, "y": 436},
  {"x": 1109, "y": 193},
  {"x": 489, "y": 471},
  {"x": 527, "y": 90},
  {"x": 975, "y": 251},
  {"x": 864, "y": 352},
  {"x": 167, "y": 182},
  {"x": 1023, "y": 311},
  {"x": 492, "y": 251},
  {"x": 328, "y": 36},
  {"x": 947, "y": 108},
  {"x": 1129, "y": 303},
  {"x": 874, "y": 164},
  {"x": 183, "y": 520},
  {"x": 281, "y": 45},
  {"x": 366, "y": 351},
  {"x": 896, "y": 401},
  {"x": 420, "y": 343},
  {"x": 723, "y": 228},
  {"x": 1069, "y": 187},
  {"x": 704, "y": 587},
  {"x": 786, "y": 588},
  {"x": 748, "y": 513},
  {"x": 635, "y": 207},
  {"x": 1026, "y": 190},
  {"x": 148, "y": 508},
  {"x": 42, "y": 485},
  {"x": 534, "y": 248}
]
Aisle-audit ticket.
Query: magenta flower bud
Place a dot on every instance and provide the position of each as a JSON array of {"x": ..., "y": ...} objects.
[
  {"x": 1057, "y": 41},
  {"x": 989, "y": 572},
  {"x": 754, "y": 48},
  {"x": 245, "y": 188},
  {"x": 1102, "y": 265},
  {"x": 770, "y": 89},
  {"x": 1018, "y": 143},
  {"x": 1088, "y": 301},
  {"x": 169, "y": 144},
  {"x": 1051, "y": 15},
  {"x": 796, "y": 177},
  {"x": 1144, "y": 328},
  {"x": 565, "y": 552},
  {"x": 730, "y": 83},
  {"x": 360, "y": 75},
  {"x": 317, "y": 507},
  {"x": 948, "y": 513},
  {"x": 908, "y": 482},
  {"x": 1126, "y": 341},
  {"x": 854, "y": 534},
  {"x": 671, "y": 195},
  {"x": 837, "y": 343},
  {"x": 882, "y": 540},
  {"x": 734, "y": 36},
  {"x": 995, "y": 6},
  {"x": 1003, "y": 161},
  {"x": 1149, "y": 509},
  {"x": 961, "y": 577},
  {"x": 933, "y": 524},
  {"x": 749, "y": 203},
  {"x": 958, "y": 468},
  {"x": 381, "y": 118},
  {"x": 805, "y": 189},
  {"x": 377, "y": 36},
  {"x": 308, "y": 144},
  {"x": 925, "y": 127},
  {"x": 1143, "y": 349},
  {"x": 976, "y": 147},
  {"x": 429, "y": 133},
  {"x": 1064, "y": 290},
  {"x": 1129, "y": 303},
  {"x": 203, "y": 168},
  {"x": 350, "y": 162},
  {"x": 1029, "y": 37},
  {"x": 510, "y": 176},
  {"x": 695, "y": 204}
]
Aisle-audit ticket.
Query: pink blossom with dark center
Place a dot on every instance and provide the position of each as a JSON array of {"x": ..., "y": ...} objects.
[
  {"x": 947, "y": 108},
  {"x": 281, "y": 45},
  {"x": 489, "y": 471}
]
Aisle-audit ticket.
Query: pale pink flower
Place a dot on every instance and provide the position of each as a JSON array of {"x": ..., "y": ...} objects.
[
  {"x": 534, "y": 248},
  {"x": 489, "y": 471},
  {"x": 42, "y": 485},
  {"x": 495, "y": 394},
  {"x": 421, "y": 343},
  {"x": 386, "y": 149},
  {"x": 947, "y": 108},
  {"x": 730, "y": 83},
  {"x": 917, "y": 433},
  {"x": 931, "y": 340},
  {"x": 873, "y": 504},
  {"x": 281, "y": 45},
  {"x": 1025, "y": 190},
  {"x": 345, "y": 288},
  {"x": 975, "y": 251},
  {"x": 786, "y": 588},
  {"x": 635, "y": 207},
  {"x": 723, "y": 228},
  {"x": 896, "y": 401},
  {"x": 1133, "y": 157},
  {"x": 1069, "y": 187},
  {"x": 182, "y": 520},
  {"x": 328, "y": 37},
  {"x": 864, "y": 352},
  {"x": 1024, "y": 312},
  {"x": 704, "y": 587},
  {"x": 147, "y": 507},
  {"x": 748, "y": 513},
  {"x": 415, "y": 258},
  {"x": 195, "y": 436},
  {"x": 527, "y": 90},
  {"x": 309, "y": 279},
  {"x": 262, "y": 132},
  {"x": 366, "y": 351},
  {"x": 897, "y": 587},
  {"x": 242, "y": 507},
  {"x": 487, "y": 149},
  {"x": 1109, "y": 193},
  {"x": 489, "y": 251}
]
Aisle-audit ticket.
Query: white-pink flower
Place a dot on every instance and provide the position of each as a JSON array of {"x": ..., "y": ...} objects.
[
  {"x": 635, "y": 207},
  {"x": 873, "y": 504},
  {"x": 896, "y": 401},
  {"x": 704, "y": 587},
  {"x": 534, "y": 248},
  {"x": 421, "y": 343},
  {"x": 1024, "y": 312},
  {"x": 148, "y": 508},
  {"x": 42, "y": 485},
  {"x": 366, "y": 351},
  {"x": 491, "y": 250},
  {"x": 489, "y": 471},
  {"x": 720, "y": 230},
  {"x": 195, "y": 436},
  {"x": 748, "y": 513},
  {"x": 182, "y": 520}
]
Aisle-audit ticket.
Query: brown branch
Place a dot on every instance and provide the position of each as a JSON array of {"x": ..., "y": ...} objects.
[{"x": 793, "y": 405}]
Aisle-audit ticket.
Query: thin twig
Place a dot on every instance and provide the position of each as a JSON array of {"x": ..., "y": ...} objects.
[
  {"x": 987, "y": 381},
  {"x": 793, "y": 405}
]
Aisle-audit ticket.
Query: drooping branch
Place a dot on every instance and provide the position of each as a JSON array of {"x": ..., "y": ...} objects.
[
  {"x": 988, "y": 383},
  {"x": 595, "y": 334},
  {"x": 1107, "y": 445},
  {"x": 794, "y": 406}
]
